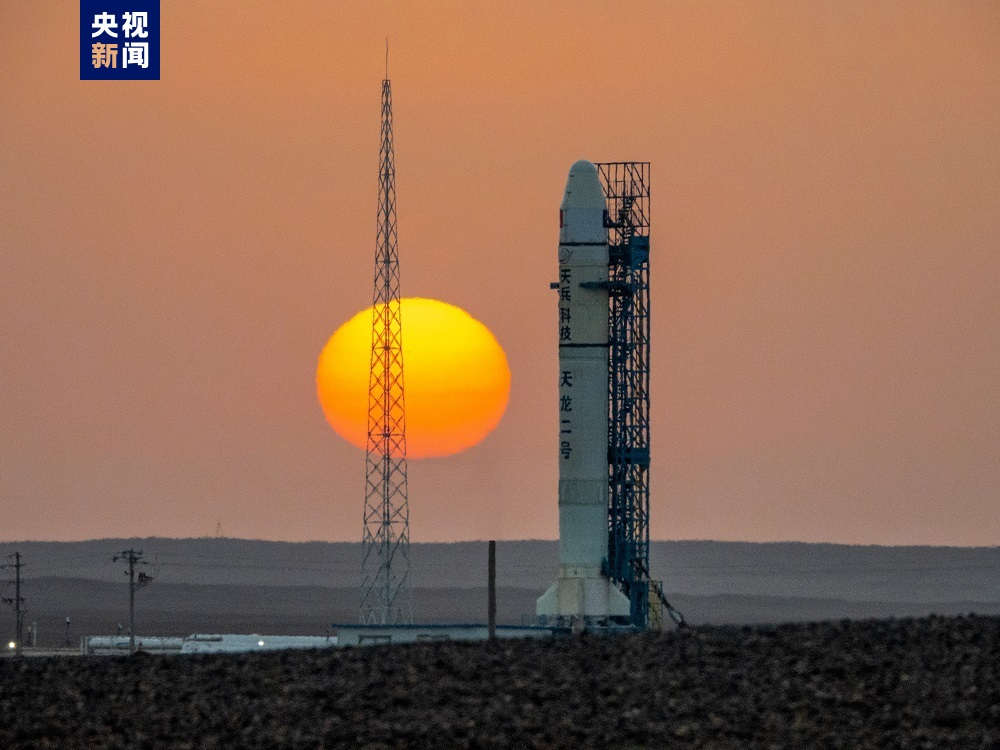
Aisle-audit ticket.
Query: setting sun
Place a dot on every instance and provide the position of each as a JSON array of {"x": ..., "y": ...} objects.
[{"x": 456, "y": 378}]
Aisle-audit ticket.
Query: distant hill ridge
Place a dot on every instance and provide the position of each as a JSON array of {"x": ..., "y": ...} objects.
[{"x": 692, "y": 568}]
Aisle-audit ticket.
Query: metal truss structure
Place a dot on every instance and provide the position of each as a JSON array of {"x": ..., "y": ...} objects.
[
  {"x": 386, "y": 597},
  {"x": 626, "y": 185}
]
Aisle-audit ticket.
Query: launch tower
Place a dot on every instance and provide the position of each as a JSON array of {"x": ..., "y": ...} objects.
[
  {"x": 385, "y": 569},
  {"x": 626, "y": 186}
]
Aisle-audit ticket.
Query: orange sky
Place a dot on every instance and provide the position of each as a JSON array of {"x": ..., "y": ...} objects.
[{"x": 826, "y": 283}]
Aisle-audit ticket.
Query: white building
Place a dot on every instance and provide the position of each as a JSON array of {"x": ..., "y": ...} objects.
[{"x": 199, "y": 643}]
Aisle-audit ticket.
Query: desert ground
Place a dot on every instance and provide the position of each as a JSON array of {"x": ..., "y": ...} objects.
[{"x": 914, "y": 683}]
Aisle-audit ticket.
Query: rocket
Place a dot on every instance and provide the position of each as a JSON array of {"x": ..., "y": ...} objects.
[{"x": 582, "y": 594}]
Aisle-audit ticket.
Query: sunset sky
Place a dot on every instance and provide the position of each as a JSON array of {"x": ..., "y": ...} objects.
[{"x": 825, "y": 260}]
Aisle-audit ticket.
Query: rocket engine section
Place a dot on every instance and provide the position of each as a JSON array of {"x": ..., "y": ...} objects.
[{"x": 583, "y": 594}]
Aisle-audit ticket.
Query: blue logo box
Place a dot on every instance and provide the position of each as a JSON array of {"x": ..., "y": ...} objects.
[{"x": 119, "y": 40}]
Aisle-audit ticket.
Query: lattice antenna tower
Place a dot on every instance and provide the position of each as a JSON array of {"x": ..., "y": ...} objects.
[
  {"x": 385, "y": 570},
  {"x": 626, "y": 185}
]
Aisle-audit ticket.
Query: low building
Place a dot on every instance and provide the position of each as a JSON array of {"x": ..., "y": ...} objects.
[
  {"x": 110, "y": 645},
  {"x": 371, "y": 635}
]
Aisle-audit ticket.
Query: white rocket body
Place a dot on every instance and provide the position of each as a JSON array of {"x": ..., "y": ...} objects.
[{"x": 582, "y": 593}]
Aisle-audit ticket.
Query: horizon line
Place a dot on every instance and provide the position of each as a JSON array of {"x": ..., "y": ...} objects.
[{"x": 485, "y": 541}]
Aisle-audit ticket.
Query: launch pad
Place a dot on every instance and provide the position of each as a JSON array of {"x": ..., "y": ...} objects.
[{"x": 603, "y": 383}]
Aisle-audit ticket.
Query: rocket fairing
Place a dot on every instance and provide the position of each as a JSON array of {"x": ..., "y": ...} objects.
[{"x": 582, "y": 591}]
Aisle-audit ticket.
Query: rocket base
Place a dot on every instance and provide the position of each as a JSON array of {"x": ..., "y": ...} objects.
[{"x": 582, "y": 600}]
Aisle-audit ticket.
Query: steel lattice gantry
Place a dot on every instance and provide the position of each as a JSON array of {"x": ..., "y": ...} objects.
[
  {"x": 626, "y": 186},
  {"x": 385, "y": 571}
]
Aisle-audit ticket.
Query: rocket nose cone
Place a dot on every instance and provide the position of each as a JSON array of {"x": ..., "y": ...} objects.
[{"x": 583, "y": 187}]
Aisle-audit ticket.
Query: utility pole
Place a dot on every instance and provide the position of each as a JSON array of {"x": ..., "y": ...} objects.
[
  {"x": 491, "y": 607},
  {"x": 133, "y": 557},
  {"x": 18, "y": 601}
]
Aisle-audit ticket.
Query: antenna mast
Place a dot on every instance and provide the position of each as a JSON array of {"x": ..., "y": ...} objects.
[{"x": 386, "y": 598}]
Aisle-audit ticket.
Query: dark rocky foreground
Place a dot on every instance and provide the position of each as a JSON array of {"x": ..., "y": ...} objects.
[{"x": 924, "y": 683}]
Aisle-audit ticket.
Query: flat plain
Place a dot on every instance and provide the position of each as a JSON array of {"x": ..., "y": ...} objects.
[{"x": 274, "y": 588}]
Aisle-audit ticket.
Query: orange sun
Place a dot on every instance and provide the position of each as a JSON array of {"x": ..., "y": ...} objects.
[{"x": 456, "y": 378}]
